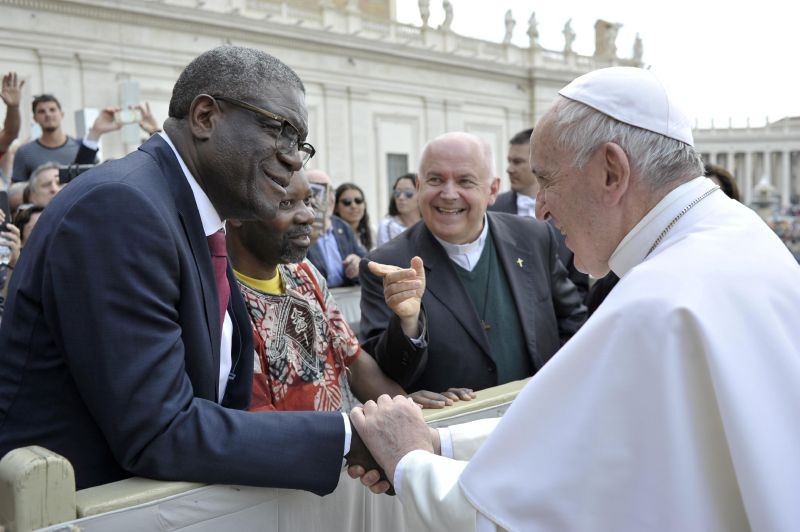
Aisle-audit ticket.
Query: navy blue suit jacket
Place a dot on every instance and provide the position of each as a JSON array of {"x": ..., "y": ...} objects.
[{"x": 109, "y": 346}]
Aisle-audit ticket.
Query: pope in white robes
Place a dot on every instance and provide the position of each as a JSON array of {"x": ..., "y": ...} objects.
[{"x": 677, "y": 405}]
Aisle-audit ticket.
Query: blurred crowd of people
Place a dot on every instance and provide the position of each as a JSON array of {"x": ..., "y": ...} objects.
[{"x": 39, "y": 164}]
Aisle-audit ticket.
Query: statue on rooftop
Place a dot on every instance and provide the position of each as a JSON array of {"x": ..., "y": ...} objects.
[
  {"x": 638, "y": 49},
  {"x": 510, "y": 23},
  {"x": 606, "y": 39},
  {"x": 569, "y": 37},
  {"x": 425, "y": 11},
  {"x": 448, "y": 15},
  {"x": 533, "y": 31}
]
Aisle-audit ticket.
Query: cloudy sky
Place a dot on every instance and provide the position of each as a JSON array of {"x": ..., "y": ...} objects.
[{"x": 721, "y": 61}]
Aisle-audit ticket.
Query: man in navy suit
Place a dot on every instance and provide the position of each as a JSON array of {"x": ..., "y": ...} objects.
[
  {"x": 486, "y": 299},
  {"x": 115, "y": 350}
]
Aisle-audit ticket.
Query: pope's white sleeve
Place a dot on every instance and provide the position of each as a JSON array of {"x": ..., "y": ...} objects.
[
  {"x": 431, "y": 496},
  {"x": 466, "y": 438}
]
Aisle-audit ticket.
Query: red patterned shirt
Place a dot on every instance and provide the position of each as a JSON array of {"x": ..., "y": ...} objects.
[{"x": 303, "y": 344}]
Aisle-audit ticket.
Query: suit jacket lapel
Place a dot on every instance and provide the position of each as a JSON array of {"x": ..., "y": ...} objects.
[
  {"x": 442, "y": 282},
  {"x": 517, "y": 261},
  {"x": 195, "y": 236}
]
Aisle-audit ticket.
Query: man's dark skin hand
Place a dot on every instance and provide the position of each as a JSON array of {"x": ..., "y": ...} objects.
[{"x": 361, "y": 464}]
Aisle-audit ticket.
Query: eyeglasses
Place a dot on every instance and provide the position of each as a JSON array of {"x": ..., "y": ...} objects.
[
  {"x": 347, "y": 201},
  {"x": 288, "y": 139},
  {"x": 407, "y": 194}
]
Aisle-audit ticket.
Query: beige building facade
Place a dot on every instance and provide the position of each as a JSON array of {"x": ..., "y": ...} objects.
[{"x": 376, "y": 89}]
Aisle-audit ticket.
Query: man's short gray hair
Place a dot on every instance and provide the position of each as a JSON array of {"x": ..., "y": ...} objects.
[
  {"x": 580, "y": 130},
  {"x": 232, "y": 71},
  {"x": 33, "y": 180}
]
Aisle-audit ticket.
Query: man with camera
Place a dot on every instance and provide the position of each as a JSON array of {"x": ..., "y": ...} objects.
[{"x": 55, "y": 145}]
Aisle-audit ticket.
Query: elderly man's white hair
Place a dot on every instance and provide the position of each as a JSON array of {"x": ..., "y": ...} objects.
[
  {"x": 631, "y": 108},
  {"x": 33, "y": 180},
  {"x": 580, "y": 130},
  {"x": 486, "y": 150}
]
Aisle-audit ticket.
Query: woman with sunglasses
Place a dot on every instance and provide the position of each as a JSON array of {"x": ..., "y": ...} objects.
[
  {"x": 403, "y": 209},
  {"x": 351, "y": 207}
]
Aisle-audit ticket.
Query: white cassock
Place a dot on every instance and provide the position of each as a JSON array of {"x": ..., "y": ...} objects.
[{"x": 675, "y": 407}]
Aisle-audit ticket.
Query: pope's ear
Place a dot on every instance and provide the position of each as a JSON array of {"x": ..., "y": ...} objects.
[
  {"x": 617, "y": 171},
  {"x": 203, "y": 113}
]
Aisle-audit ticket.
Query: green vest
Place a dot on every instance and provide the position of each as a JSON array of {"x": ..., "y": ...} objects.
[{"x": 487, "y": 286}]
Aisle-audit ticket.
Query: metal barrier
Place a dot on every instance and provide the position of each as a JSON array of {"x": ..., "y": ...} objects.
[
  {"x": 37, "y": 489},
  {"x": 349, "y": 300}
]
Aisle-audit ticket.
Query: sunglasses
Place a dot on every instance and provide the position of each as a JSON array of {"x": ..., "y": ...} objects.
[
  {"x": 407, "y": 194},
  {"x": 347, "y": 201}
]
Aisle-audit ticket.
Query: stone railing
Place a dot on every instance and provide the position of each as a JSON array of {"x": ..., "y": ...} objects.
[
  {"x": 37, "y": 489},
  {"x": 326, "y": 16}
]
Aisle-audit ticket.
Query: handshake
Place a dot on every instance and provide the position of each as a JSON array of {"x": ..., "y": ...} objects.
[{"x": 383, "y": 433}]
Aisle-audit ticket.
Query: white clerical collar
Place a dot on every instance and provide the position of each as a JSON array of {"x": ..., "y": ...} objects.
[
  {"x": 526, "y": 205},
  {"x": 634, "y": 247},
  {"x": 467, "y": 255},
  {"x": 208, "y": 214}
]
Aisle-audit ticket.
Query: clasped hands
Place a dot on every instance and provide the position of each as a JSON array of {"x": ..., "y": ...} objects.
[
  {"x": 388, "y": 429},
  {"x": 392, "y": 427}
]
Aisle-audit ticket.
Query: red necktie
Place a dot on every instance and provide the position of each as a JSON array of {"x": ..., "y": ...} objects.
[{"x": 219, "y": 259}]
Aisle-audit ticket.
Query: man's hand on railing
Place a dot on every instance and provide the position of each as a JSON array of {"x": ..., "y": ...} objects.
[{"x": 428, "y": 399}]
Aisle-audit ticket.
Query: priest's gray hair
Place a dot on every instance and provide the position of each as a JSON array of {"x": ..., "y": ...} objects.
[
  {"x": 233, "y": 71},
  {"x": 580, "y": 130}
]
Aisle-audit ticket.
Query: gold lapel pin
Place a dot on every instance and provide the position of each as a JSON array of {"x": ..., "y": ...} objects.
[{"x": 520, "y": 262}]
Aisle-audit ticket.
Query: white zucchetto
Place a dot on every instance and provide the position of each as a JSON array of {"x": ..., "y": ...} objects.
[{"x": 634, "y": 96}]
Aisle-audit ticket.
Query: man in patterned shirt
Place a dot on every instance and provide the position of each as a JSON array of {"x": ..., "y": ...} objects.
[{"x": 307, "y": 357}]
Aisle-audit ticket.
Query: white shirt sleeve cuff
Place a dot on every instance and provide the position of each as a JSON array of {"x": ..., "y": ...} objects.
[
  {"x": 91, "y": 144},
  {"x": 446, "y": 442},
  {"x": 348, "y": 437},
  {"x": 420, "y": 342}
]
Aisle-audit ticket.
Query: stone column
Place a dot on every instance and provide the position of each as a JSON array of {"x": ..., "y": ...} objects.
[
  {"x": 735, "y": 172},
  {"x": 435, "y": 117},
  {"x": 337, "y": 132},
  {"x": 747, "y": 192},
  {"x": 768, "y": 167},
  {"x": 362, "y": 131},
  {"x": 786, "y": 178}
]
